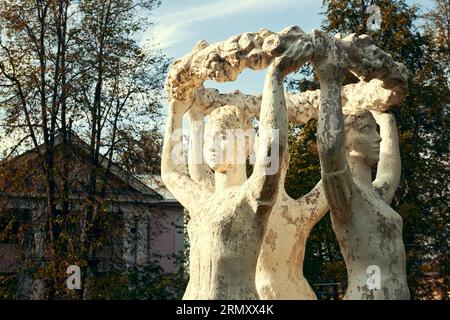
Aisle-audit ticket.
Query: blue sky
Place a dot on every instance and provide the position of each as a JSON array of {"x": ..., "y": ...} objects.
[{"x": 180, "y": 24}]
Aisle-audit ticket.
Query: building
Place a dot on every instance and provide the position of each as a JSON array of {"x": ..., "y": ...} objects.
[{"x": 149, "y": 220}]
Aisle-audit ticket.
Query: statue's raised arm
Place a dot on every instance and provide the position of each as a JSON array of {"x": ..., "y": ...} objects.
[
  {"x": 262, "y": 186},
  {"x": 389, "y": 167},
  {"x": 368, "y": 230},
  {"x": 173, "y": 165}
]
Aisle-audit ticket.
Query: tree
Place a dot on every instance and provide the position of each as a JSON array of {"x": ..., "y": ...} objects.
[
  {"x": 73, "y": 66},
  {"x": 140, "y": 153},
  {"x": 33, "y": 67},
  {"x": 120, "y": 79}
]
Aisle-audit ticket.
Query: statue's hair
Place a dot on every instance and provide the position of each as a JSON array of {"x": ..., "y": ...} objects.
[
  {"x": 229, "y": 117},
  {"x": 352, "y": 118}
]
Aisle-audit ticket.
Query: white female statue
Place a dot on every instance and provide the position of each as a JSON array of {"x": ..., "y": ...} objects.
[
  {"x": 369, "y": 231},
  {"x": 227, "y": 225},
  {"x": 356, "y": 53}
]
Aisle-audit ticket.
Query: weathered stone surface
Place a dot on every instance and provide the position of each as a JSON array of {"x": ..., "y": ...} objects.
[
  {"x": 228, "y": 223},
  {"x": 279, "y": 272},
  {"x": 358, "y": 54},
  {"x": 224, "y": 61},
  {"x": 280, "y": 264},
  {"x": 305, "y": 105},
  {"x": 225, "y": 238},
  {"x": 369, "y": 231}
]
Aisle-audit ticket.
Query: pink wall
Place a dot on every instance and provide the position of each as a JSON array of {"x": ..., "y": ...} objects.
[{"x": 168, "y": 240}]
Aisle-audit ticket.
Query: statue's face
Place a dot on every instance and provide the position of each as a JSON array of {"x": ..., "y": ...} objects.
[
  {"x": 363, "y": 140},
  {"x": 223, "y": 149}
]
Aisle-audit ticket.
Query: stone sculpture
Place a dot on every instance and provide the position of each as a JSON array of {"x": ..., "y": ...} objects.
[
  {"x": 279, "y": 270},
  {"x": 369, "y": 231},
  {"x": 331, "y": 56},
  {"x": 280, "y": 263},
  {"x": 227, "y": 226}
]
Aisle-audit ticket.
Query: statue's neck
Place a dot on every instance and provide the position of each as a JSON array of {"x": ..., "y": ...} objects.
[
  {"x": 234, "y": 176},
  {"x": 237, "y": 175},
  {"x": 361, "y": 171}
]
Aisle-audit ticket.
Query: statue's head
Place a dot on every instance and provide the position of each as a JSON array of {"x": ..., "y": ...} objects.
[
  {"x": 227, "y": 138},
  {"x": 362, "y": 140}
]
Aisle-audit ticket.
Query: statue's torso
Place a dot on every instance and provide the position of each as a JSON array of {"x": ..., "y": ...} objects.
[
  {"x": 225, "y": 240},
  {"x": 279, "y": 273},
  {"x": 372, "y": 237}
]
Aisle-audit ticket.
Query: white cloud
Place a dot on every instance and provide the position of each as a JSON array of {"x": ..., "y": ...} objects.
[{"x": 170, "y": 28}]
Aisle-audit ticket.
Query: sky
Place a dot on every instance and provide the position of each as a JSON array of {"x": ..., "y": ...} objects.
[{"x": 180, "y": 24}]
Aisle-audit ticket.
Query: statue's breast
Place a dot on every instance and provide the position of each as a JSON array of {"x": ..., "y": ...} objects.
[
  {"x": 378, "y": 211},
  {"x": 225, "y": 218},
  {"x": 219, "y": 210}
]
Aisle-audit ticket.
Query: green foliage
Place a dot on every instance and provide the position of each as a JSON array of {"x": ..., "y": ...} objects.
[
  {"x": 304, "y": 161},
  {"x": 8, "y": 286},
  {"x": 149, "y": 282}
]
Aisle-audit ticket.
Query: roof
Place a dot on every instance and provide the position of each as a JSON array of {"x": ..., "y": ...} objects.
[
  {"x": 155, "y": 182},
  {"x": 147, "y": 185}
]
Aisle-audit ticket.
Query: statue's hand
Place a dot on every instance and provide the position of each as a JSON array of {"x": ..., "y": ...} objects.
[
  {"x": 179, "y": 107},
  {"x": 197, "y": 112},
  {"x": 298, "y": 52},
  {"x": 381, "y": 116}
]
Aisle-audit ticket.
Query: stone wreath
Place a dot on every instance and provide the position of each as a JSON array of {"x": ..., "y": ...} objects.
[{"x": 382, "y": 79}]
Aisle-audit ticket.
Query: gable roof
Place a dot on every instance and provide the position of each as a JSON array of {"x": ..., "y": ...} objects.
[
  {"x": 114, "y": 169},
  {"x": 155, "y": 183}
]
